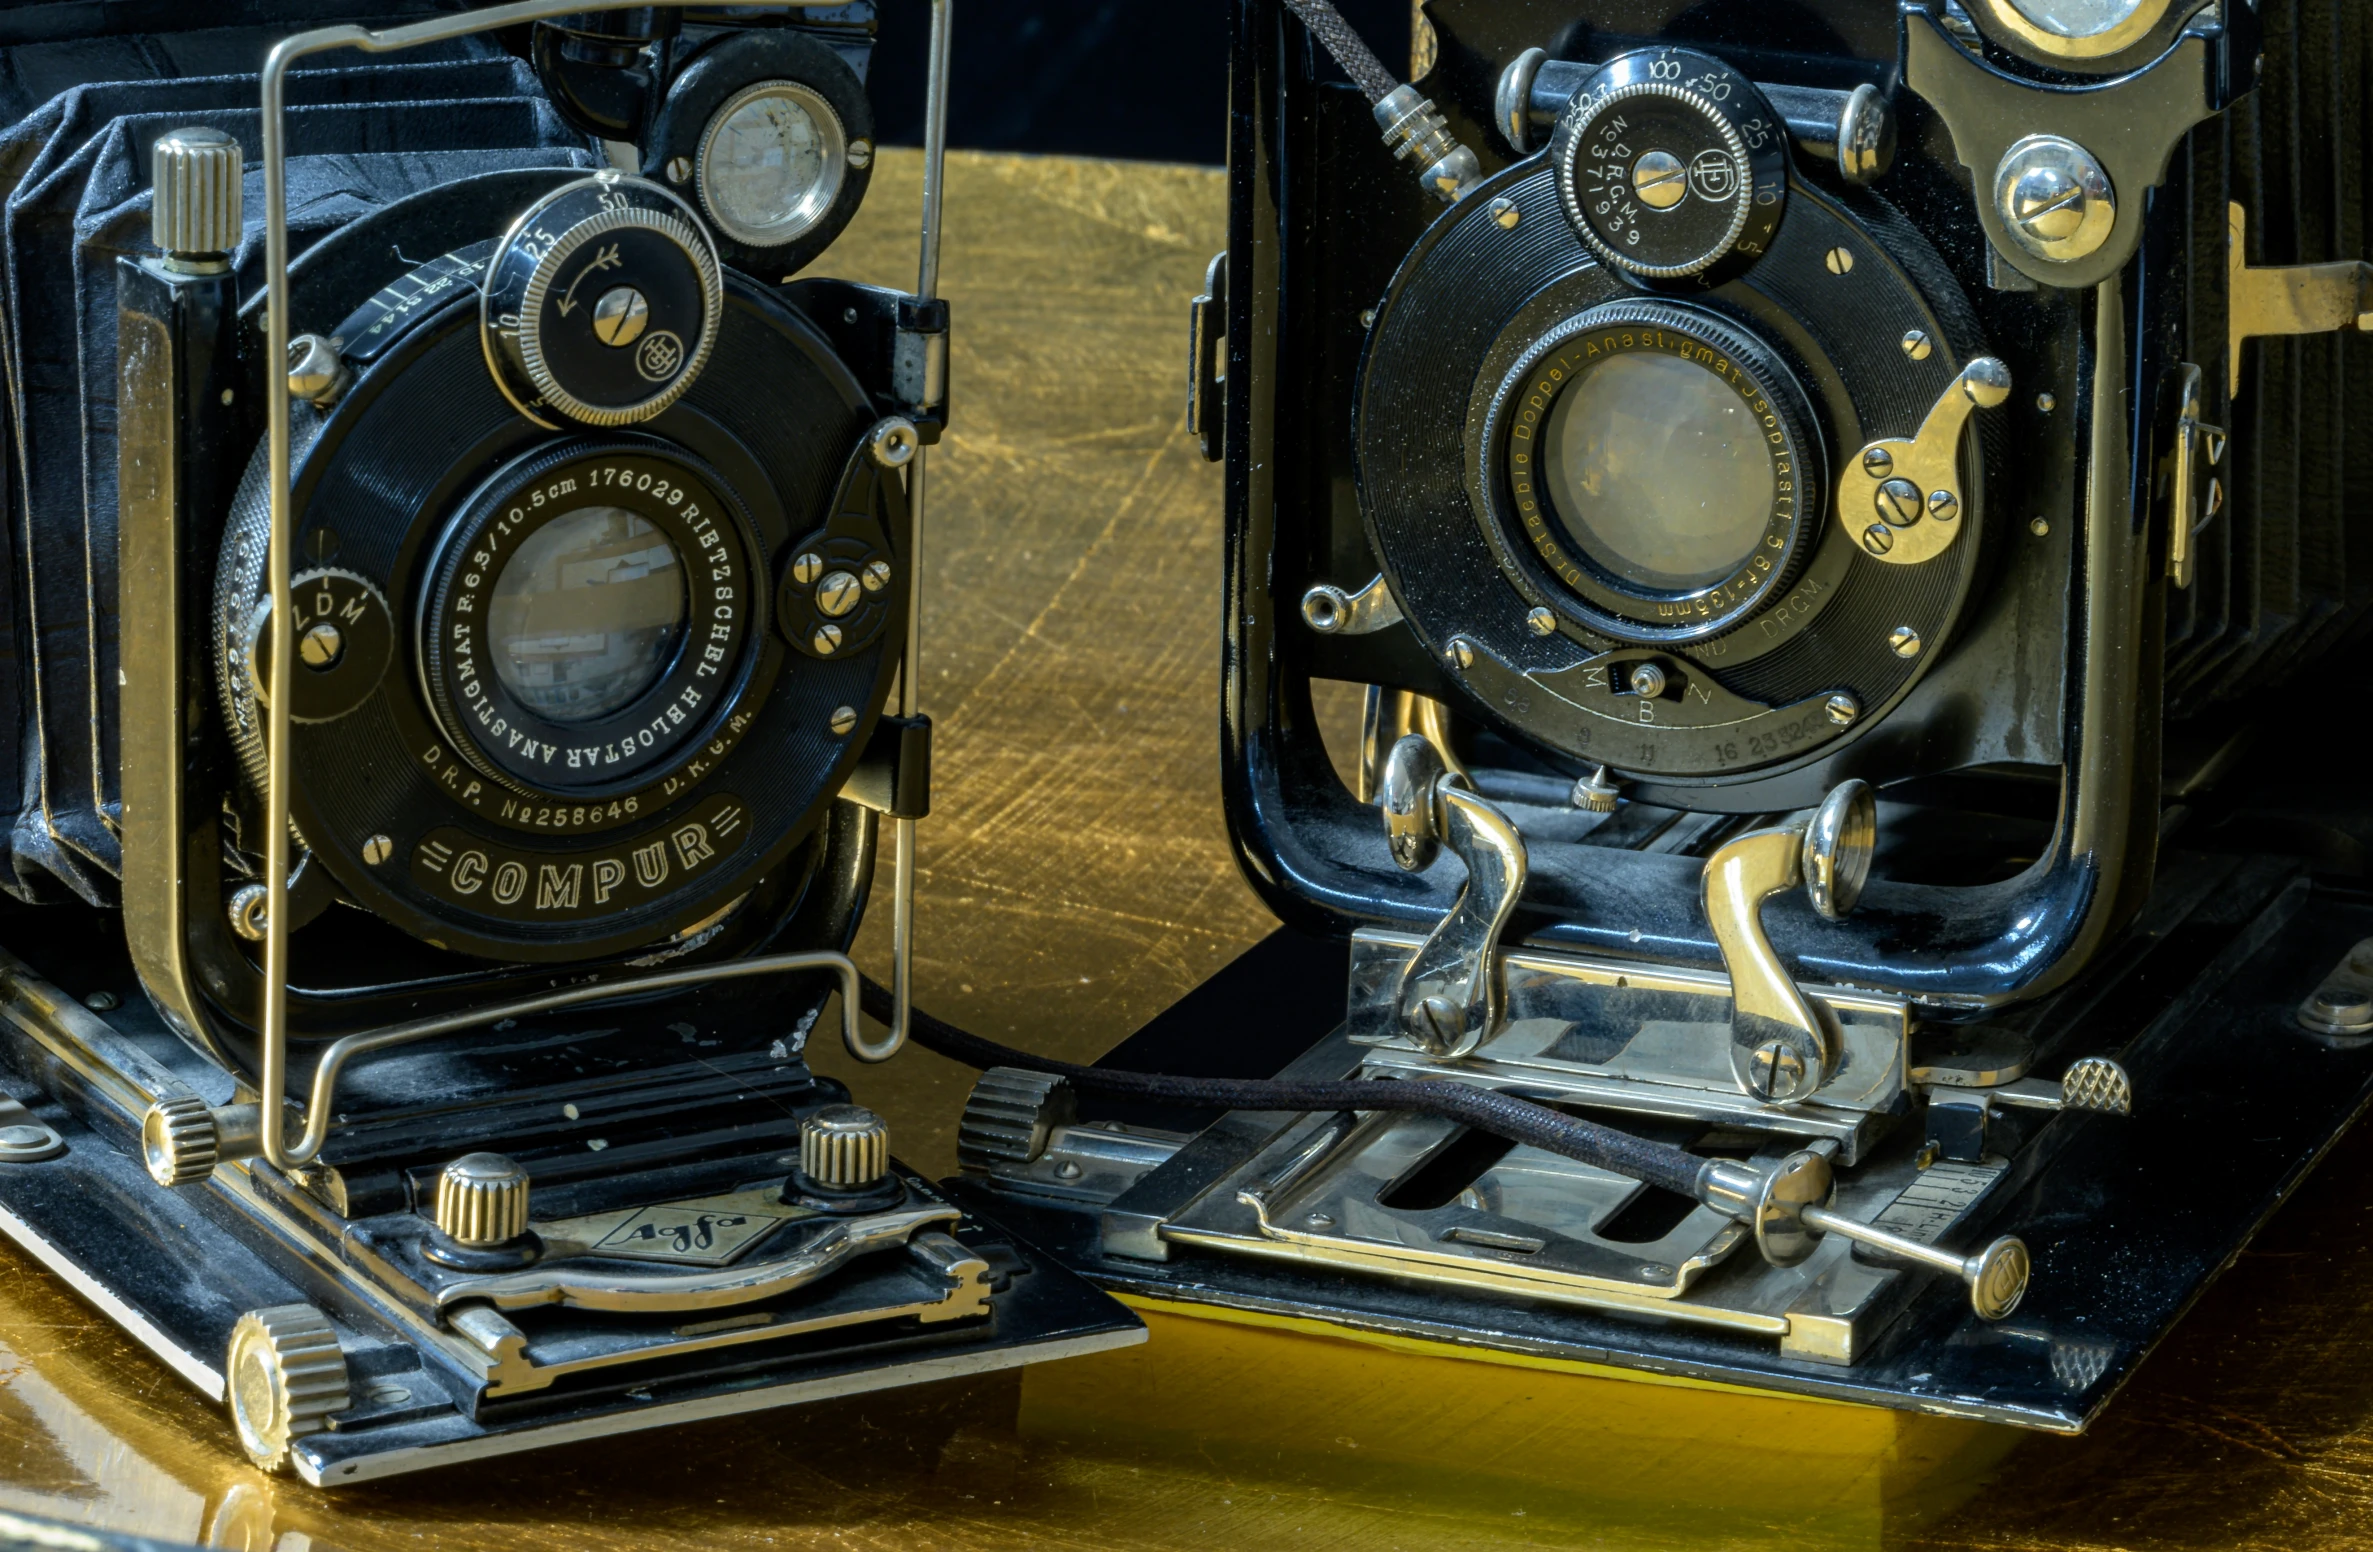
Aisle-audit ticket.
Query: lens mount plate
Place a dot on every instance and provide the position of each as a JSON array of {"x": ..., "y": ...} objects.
[{"x": 1806, "y": 666}]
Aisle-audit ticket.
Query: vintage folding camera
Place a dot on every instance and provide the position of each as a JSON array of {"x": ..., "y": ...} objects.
[
  {"x": 458, "y": 577},
  {"x": 1820, "y": 496}
]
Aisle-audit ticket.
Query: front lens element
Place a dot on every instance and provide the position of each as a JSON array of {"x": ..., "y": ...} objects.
[
  {"x": 2079, "y": 18},
  {"x": 1659, "y": 472},
  {"x": 586, "y": 614},
  {"x": 770, "y": 162}
]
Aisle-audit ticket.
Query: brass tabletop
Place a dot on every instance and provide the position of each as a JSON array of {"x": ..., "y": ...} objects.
[{"x": 1075, "y": 880}]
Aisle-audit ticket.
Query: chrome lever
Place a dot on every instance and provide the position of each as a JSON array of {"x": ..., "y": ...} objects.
[
  {"x": 1780, "y": 1049},
  {"x": 1451, "y": 997},
  {"x": 1787, "y": 1205}
]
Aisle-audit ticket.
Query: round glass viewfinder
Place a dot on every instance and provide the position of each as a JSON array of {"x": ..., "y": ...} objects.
[
  {"x": 1655, "y": 459},
  {"x": 770, "y": 162},
  {"x": 1659, "y": 471},
  {"x": 586, "y": 614}
]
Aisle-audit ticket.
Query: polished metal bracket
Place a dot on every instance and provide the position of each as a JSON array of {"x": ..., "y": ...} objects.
[
  {"x": 1781, "y": 1050},
  {"x": 1330, "y": 611},
  {"x": 1901, "y": 497},
  {"x": 2286, "y": 299},
  {"x": 1450, "y": 998},
  {"x": 272, "y": 1077},
  {"x": 2193, "y": 497}
]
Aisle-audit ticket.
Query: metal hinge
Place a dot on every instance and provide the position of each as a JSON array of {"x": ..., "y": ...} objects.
[
  {"x": 1207, "y": 410},
  {"x": 919, "y": 360}
]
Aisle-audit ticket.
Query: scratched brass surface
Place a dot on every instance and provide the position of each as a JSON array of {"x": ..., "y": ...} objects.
[{"x": 1075, "y": 880}]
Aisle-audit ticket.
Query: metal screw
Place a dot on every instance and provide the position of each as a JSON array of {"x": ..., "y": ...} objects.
[
  {"x": 1905, "y": 641},
  {"x": 1779, "y": 1071},
  {"x": 1542, "y": 621},
  {"x": 378, "y": 849},
  {"x": 2332, "y": 1010},
  {"x": 1319, "y": 1220},
  {"x": 1916, "y": 345},
  {"x": 102, "y": 1002},
  {"x": 1462, "y": 652},
  {"x": 2054, "y": 198},
  {"x": 1842, "y": 708},
  {"x": 1660, "y": 180},
  {"x": 1648, "y": 679},
  {"x": 1943, "y": 505},
  {"x": 1656, "y": 1270},
  {"x": 844, "y": 720},
  {"x": 321, "y": 646},
  {"x": 247, "y": 912},
  {"x": 1504, "y": 211},
  {"x": 1878, "y": 538},
  {"x": 1367, "y": 317},
  {"x": 838, "y": 593},
  {"x": 2046, "y": 403},
  {"x": 1840, "y": 261},
  {"x": 848, "y": 315},
  {"x": 1877, "y": 462},
  {"x": 877, "y": 575},
  {"x": 679, "y": 169},
  {"x": 1442, "y": 1022},
  {"x": 384, "y": 1394},
  {"x": 2038, "y": 527},
  {"x": 1898, "y": 501},
  {"x": 893, "y": 442},
  {"x": 860, "y": 154},
  {"x": 826, "y": 640},
  {"x": 806, "y": 568},
  {"x": 1067, "y": 1170},
  {"x": 620, "y": 316}
]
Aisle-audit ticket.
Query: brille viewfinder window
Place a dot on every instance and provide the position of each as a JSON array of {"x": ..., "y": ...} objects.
[{"x": 771, "y": 133}]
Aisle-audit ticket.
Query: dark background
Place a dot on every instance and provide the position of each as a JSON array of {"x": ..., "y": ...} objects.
[{"x": 1144, "y": 79}]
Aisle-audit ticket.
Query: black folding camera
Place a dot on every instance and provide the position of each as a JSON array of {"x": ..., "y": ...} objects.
[
  {"x": 1821, "y": 497},
  {"x": 458, "y": 575}
]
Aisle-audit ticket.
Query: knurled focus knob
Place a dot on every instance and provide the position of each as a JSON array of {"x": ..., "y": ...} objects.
[
  {"x": 1671, "y": 165},
  {"x": 1009, "y": 1117},
  {"x": 482, "y": 1201},
  {"x": 196, "y": 214},
  {"x": 844, "y": 1147},
  {"x": 179, "y": 1141}
]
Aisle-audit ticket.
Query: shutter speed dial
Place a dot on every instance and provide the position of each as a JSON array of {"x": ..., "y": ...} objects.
[
  {"x": 601, "y": 303},
  {"x": 1672, "y": 166}
]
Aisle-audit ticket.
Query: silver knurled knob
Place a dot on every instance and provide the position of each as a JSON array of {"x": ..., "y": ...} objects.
[
  {"x": 482, "y": 1201},
  {"x": 1009, "y": 1116},
  {"x": 846, "y": 1147},
  {"x": 179, "y": 1141},
  {"x": 196, "y": 173}
]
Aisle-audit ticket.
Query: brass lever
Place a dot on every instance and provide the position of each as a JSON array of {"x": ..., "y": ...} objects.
[
  {"x": 2286, "y": 299},
  {"x": 1780, "y": 1049}
]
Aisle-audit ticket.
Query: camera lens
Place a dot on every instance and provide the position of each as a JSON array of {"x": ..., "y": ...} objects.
[
  {"x": 1658, "y": 461},
  {"x": 1658, "y": 470},
  {"x": 586, "y": 614}
]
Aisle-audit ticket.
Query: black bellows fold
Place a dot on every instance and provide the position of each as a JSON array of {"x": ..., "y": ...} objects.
[
  {"x": 2286, "y": 569},
  {"x": 74, "y": 178}
]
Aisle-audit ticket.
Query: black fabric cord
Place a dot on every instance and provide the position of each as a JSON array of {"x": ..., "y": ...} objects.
[
  {"x": 1502, "y": 1115},
  {"x": 1327, "y": 25}
]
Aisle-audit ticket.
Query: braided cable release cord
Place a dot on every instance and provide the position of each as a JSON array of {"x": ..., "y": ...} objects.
[
  {"x": 1502, "y": 1115},
  {"x": 1327, "y": 25}
]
